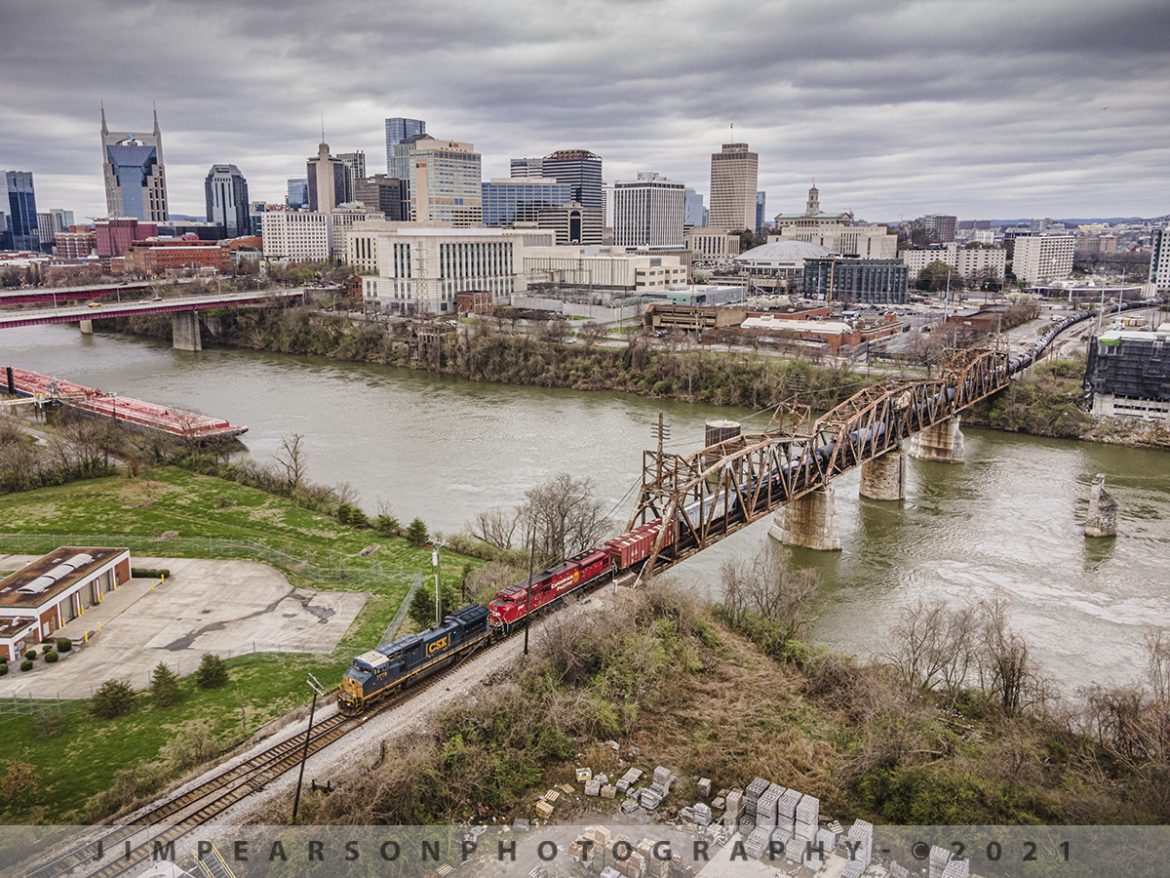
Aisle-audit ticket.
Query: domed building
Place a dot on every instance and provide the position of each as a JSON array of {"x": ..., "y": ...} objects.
[{"x": 779, "y": 264}]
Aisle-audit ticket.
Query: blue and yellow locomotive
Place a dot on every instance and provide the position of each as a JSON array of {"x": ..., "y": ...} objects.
[{"x": 387, "y": 669}]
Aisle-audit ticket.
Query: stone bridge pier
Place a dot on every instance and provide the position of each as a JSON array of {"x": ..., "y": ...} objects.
[
  {"x": 809, "y": 522},
  {"x": 942, "y": 442},
  {"x": 884, "y": 478},
  {"x": 86, "y": 327},
  {"x": 185, "y": 335}
]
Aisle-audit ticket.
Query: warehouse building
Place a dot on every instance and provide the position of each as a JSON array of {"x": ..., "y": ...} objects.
[
  {"x": 1129, "y": 373},
  {"x": 50, "y": 592}
]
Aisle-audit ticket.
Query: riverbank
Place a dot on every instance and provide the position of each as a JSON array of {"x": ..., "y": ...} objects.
[{"x": 1045, "y": 402}]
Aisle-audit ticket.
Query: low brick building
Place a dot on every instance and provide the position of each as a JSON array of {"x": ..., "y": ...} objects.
[{"x": 47, "y": 593}]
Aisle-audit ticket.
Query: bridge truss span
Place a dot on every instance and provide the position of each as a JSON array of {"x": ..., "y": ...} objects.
[{"x": 710, "y": 494}]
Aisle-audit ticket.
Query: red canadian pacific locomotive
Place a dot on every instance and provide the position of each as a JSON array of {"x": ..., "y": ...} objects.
[{"x": 614, "y": 556}]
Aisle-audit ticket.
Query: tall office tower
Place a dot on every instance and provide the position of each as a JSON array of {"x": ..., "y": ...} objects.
[
  {"x": 940, "y": 227},
  {"x": 1160, "y": 261},
  {"x": 45, "y": 236},
  {"x": 136, "y": 183},
  {"x": 581, "y": 170},
  {"x": 761, "y": 202},
  {"x": 355, "y": 169},
  {"x": 5, "y": 235},
  {"x": 62, "y": 219},
  {"x": 398, "y": 130},
  {"x": 446, "y": 180},
  {"x": 326, "y": 177},
  {"x": 648, "y": 212},
  {"x": 385, "y": 194},
  {"x": 298, "y": 193},
  {"x": 528, "y": 167},
  {"x": 734, "y": 174},
  {"x": 511, "y": 200},
  {"x": 226, "y": 193},
  {"x": 22, "y": 211},
  {"x": 694, "y": 213}
]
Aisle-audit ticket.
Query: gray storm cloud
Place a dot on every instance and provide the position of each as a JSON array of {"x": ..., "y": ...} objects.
[{"x": 987, "y": 108}]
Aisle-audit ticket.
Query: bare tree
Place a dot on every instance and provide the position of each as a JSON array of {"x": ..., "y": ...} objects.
[
  {"x": 933, "y": 646},
  {"x": 496, "y": 527},
  {"x": 1005, "y": 670},
  {"x": 563, "y": 517},
  {"x": 291, "y": 459},
  {"x": 767, "y": 586}
]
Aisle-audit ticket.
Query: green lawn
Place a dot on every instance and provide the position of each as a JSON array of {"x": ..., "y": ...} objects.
[{"x": 213, "y": 518}]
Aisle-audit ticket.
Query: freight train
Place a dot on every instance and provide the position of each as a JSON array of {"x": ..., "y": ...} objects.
[{"x": 389, "y": 669}]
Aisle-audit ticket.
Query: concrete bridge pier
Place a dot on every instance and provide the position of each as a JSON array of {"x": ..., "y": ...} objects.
[
  {"x": 942, "y": 442},
  {"x": 185, "y": 334},
  {"x": 884, "y": 478},
  {"x": 809, "y": 522},
  {"x": 86, "y": 327}
]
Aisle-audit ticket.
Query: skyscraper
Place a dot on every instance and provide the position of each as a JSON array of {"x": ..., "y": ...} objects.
[
  {"x": 355, "y": 169},
  {"x": 226, "y": 193},
  {"x": 385, "y": 194},
  {"x": 445, "y": 180},
  {"x": 648, "y": 212},
  {"x": 136, "y": 184},
  {"x": 398, "y": 130},
  {"x": 530, "y": 167},
  {"x": 326, "y": 176},
  {"x": 761, "y": 203},
  {"x": 734, "y": 174},
  {"x": 1160, "y": 261},
  {"x": 694, "y": 214},
  {"x": 581, "y": 170},
  {"x": 298, "y": 193},
  {"x": 22, "y": 210}
]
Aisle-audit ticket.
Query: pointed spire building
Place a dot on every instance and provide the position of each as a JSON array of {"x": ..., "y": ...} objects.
[{"x": 135, "y": 175}]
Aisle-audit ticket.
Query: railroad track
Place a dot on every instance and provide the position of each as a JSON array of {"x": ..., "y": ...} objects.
[{"x": 191, "y": 809}]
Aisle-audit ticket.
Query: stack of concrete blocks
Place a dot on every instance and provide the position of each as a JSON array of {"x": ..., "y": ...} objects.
[
  {"x": 735, "y": 809},
  {"x": 942, "y": 864},
  {"x": 628, "y": 779},
  {"x": 826, "y": 840},
  {"x": 755, "y": 789},
  {"x": 635, "y": 866},
  {"x": 808, "y": 815},
  {"x": 705, "y": 787},
  {"x": 756, "y": 844},
  {"x": 649, "y": 799},
  {"x": 939, "y": 857},
  {"x": 663, "y": 780},
  {"x": 786, "y": 811},
  {"x": 602, "y": 836},
  {"x": 602, "y": 779},
  {"x": 702, "y": 814},
  {"x": 899, "y": 871},
  {"x": 860, "y": 841},
  {"x": 593, "y": 787},
  {"x": 584, "y": 774}
]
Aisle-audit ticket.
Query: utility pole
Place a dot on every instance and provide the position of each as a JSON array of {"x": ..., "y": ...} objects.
[
  {"x": 528, "y": 590},
  {"x": 318, "y": 689},
  {"x": 438, "y": 603}
]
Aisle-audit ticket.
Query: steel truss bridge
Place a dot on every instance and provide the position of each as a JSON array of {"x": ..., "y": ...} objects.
[{"x": 725, "y": 487}]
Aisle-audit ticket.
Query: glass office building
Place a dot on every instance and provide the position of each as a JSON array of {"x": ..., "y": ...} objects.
[
  {"x": 398, "y": 130},
  {"x": 521, "y": 199},
  {"x": 22, "y": 210}
]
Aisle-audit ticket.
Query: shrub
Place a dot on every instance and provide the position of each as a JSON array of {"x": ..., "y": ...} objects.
[
  {"x": 51, "y": 656},
  {"x": 416, "y": 533},
  {"x": 30, "y": 654},
  {"x": 112, "y": 699},
  {"x": 387, "y": 526},
  {"x": 212, "y": 671},
  {"x": 150, "y": 573},
  {"x": 64, "y": 644},
  {"x": 3, "y": 669},
  {"x": 352, "y": 515},
  {"x": 26, "y": 665},
  {"x": 164, "y": 686}
]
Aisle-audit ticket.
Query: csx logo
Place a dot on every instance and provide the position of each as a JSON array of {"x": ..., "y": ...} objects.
[{"x": 438, "y": 645}]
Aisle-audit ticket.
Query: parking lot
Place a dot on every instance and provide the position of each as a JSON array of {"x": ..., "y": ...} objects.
[{"x": 222, "y": 607}]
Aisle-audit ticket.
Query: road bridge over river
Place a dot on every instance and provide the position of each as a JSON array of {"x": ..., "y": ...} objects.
[{"x": 183, "y": 310}]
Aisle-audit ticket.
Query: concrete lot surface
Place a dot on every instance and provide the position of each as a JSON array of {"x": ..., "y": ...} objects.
[{"x": 223, "y": 607}]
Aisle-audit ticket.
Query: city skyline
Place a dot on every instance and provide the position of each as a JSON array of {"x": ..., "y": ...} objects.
[{"x": 980, "y": 110}]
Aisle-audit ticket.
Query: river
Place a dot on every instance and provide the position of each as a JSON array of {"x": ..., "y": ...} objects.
[{"x": 1005, "y": 521}]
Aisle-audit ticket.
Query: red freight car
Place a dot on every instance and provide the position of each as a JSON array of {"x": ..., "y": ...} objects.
[
  {"x": 511, "y": 604},
  {"x": 635, "y": 545}
]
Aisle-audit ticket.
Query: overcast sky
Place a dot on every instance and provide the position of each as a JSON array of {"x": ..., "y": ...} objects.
[{"x": 981, "y": 108}]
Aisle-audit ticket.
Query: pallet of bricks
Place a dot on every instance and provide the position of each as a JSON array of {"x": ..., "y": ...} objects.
[{"x": 755, "y": 838}]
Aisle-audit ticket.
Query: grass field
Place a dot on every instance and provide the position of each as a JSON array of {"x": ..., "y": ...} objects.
[{"x": 76, "y": 755}]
